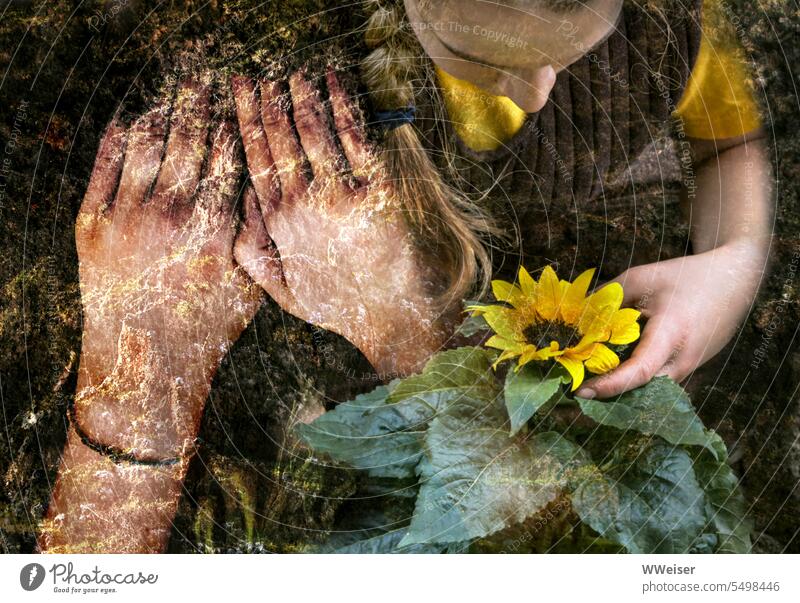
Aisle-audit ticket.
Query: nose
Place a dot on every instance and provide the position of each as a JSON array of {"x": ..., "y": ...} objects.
[{"x": 530, "y": 93}]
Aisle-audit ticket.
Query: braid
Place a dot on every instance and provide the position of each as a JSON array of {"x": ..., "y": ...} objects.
[{"x": 449, "y": 223}]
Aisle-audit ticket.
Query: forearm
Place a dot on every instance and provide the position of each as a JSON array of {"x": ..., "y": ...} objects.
[
  {"x": 731, "y": 217},
  {"x": 129, "y": 445},
  {"x": 733, "y": 205},
  {"x": 99, "y": 506}
]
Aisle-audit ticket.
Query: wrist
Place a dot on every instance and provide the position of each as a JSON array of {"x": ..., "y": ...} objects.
[
  {"x": 405, "y": 340},
  {"x": 744, "y": 258},
  {"x": 147, "y": 406}
]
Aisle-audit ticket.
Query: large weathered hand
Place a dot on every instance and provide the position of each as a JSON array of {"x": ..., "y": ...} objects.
[
  {"x": 162, "y": 302},
  {"x": 331, "y": 248},
  {"x": 156, "y": 265}
]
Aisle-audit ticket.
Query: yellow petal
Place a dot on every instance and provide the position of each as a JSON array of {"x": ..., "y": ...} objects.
[
  {"x": 610, "y": 295},
  {"x": 624, "y": 328},
  {"x": 588, "y": 316},
  {"x": 575, "y": 296},
  {"x": 602, "y": 360},
  {"x": 599, "y": 329},
  {"x": 506, "y": 292},
  {"x": 583, "y": 350},
  {"x": 574, "y": 368},
  {"x": 549, "y": 352},
  {"x": 549, "y": 294},
  {"x": 504, "y": 321},
  {"x": 530, "y": 353},
  {"x": 501, "y": 343},
  {"x": 505, "y": 356},
  {"x": 564, "y": 287},
  {"x": 527, "y": 283}
]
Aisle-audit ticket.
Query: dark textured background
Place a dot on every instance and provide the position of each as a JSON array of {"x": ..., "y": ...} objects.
[{"x": 64, "y": 71}]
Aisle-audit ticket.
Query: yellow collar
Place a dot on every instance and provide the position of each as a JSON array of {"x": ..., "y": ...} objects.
[{"x": 483, "y": 121}]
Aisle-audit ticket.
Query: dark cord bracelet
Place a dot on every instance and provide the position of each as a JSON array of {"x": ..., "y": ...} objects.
[{"x": 117, "y": 455}]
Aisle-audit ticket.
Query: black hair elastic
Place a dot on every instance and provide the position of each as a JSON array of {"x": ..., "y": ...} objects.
[
  {"x": 394, "y": 118},
  {"x": 117, "y": 455}
]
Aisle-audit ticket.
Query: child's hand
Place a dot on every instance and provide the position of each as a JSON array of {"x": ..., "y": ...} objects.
[
  {"x": 330, "y": 248},
  {"x": 693, "y": 307}
]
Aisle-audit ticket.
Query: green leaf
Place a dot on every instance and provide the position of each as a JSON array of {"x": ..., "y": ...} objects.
[
  {"x": 576, "y": 464},
  {"x": 377, "y": 528},
  {"x": 377, "y": 541},
  {"x": 365, "y": 433},
  {"x": 448, "y": 375},
  {"x": 448, "y": 427},
  {"x": 382, "y": 431},
  {"x": 472, "y": 325},
  {"x": 375, "y": 521},
  {"x": 653, "y": 504},
  {"x": 367, "y": 542},
  {"x": 726, "y": 507},
  {"x": 659, "y": 408},
  {"x": 526, "y": 392},
  {"x": 475, "y": 479}
]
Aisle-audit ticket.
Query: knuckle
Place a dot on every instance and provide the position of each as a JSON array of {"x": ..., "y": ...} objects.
[
  {"x": 305, "y": 110},
  {"x": 303, "y": 113},
  {"x": 606, "y": 384},
  {"x": 274, "y": 114},
  {"x": 684, "y": 333},
  {"x": 644, "y": 371},
  {"x": 682, "y": 367}
]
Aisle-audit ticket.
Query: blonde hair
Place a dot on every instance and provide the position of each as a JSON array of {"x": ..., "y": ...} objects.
[{"x": 446, "y": 219}]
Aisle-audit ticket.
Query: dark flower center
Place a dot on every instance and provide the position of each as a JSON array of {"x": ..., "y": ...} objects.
[{"x": 541, "y": 334}]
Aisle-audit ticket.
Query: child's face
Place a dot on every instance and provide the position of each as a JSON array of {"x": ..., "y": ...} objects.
[{"x": 509, "y": 51}]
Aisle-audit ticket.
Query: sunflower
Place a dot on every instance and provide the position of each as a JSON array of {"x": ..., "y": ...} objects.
[{"x": 552, "y": 320}]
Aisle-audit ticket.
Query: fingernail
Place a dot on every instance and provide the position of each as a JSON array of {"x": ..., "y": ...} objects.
[{"x": 587, "y": 393}]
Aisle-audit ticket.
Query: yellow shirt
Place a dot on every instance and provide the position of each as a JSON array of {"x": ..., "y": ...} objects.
[{"x": 718, "y": 101}]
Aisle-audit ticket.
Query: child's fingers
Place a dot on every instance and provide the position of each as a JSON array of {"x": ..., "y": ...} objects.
[
  {"x": 683, "y": 361},
  {"x": 674, "y": 369},
  {"x": 142, "y": 159},
  {"x": 186, "y": 149},
  {"x": 222, "y": 172},
  {"x": 651, "y": 354},
  {"x": 254, "y": 233}
]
